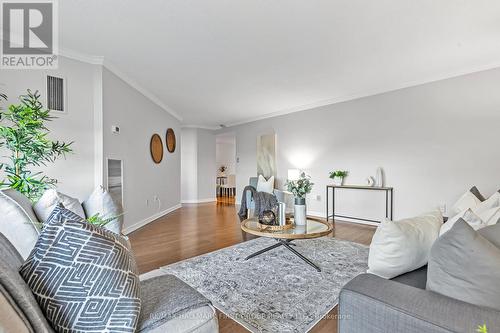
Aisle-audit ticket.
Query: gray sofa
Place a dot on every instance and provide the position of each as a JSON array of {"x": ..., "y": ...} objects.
[
  {"x": 371, "y": 304},
  {"x": 168, "y": 304}
]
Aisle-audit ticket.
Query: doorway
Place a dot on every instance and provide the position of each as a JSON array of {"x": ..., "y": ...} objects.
[{"x": 225, "y": 157}]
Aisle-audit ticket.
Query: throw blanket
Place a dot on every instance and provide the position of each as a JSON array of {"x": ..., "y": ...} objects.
[{"x": 263, "y": 201}]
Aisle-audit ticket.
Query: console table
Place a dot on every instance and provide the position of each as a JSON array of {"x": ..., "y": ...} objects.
[{"x": 389, "y": 193}]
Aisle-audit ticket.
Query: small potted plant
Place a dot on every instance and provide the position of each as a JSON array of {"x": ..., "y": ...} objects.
[
  {"x": 338, "y": 176},
  {"x": 300, "y": 188}
]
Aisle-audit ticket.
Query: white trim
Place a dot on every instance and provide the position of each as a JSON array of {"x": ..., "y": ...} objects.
[
  {"x": 198, "y": 201},
  {"x": 323, "y": 215},
  {"x": 131, "y": 82},
  {"x": 367, "y": 93},
  {"x": 98, "y": 130},
  {"x": 80, "y": 56},
  {"x": 212, "y": 128},
  {"x": 142, "y": 223}
]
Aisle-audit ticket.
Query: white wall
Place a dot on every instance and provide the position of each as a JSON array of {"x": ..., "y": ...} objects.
[
  {"x": 434, "y": 141},
  {"x": 198, "y": 165},
  {"x": 189, "y": 164},
  {"x": 76, "y": 173},
  {"x": 225, "y": 154},
  {"x": 207, "y": 167},
  {"x": 144, "y": 181}
]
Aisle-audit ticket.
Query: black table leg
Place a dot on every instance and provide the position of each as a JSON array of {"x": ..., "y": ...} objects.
[
  {"x": 301, "y": 256},
  {"x": 264, "y": 250},
  {"x": 286, "y": 243},
  {"x": 327, "y": 204}
]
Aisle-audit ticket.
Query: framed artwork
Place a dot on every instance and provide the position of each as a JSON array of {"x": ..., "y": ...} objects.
[
  {"x": 170, "y": 139},
  {"x": 266, "y": 155},
  {"x": 115, "y": 179},
  {"x": 156, "y": 148}
]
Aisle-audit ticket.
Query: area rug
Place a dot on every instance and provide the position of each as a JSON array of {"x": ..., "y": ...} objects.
[{"x": 276, "y": 291}]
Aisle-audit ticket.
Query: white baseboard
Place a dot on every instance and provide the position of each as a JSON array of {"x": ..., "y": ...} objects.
[
  {"x": 198, "y": 201},
  {"x": 323, "y": 215},
  {"x": 142, "y": 223}
]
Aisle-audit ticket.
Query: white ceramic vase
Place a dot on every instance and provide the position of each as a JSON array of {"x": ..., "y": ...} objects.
[
  {"x": 299, "y": 212},
  {"x": 338, "y": 181},
  {"x": 379, "y": 178}
]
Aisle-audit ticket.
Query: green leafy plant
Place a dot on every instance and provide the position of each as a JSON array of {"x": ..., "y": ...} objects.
[
  {"x": 24, "y": 134},
  {"x": 339, "y": 174},
  {"x": 482, "y": 329},
  {"x": 101, "y": 221},
  {"x": 301, "y": 186}
]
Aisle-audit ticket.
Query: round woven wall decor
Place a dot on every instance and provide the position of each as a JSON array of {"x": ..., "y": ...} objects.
[
  {"x": 170, "y": 140},
  {"x": 156, "y": 148}
]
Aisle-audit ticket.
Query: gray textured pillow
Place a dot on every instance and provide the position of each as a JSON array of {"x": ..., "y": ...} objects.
[
  {"x": 83, "y": 277},
  {"x": 18, "y": 221},
  {"x": 465, "y": 265}
]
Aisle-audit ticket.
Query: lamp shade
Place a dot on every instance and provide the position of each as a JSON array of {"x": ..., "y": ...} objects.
[{"x": 293, "y": 174}]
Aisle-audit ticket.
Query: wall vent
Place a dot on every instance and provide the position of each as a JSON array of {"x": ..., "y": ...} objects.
[{"x": 56, "y": 93}]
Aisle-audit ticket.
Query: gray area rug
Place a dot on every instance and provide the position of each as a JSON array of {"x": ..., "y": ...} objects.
[{"x": 276, "y": 291}]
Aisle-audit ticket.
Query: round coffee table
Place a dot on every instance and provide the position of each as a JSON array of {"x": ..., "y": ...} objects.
[{"x": 314, "y": 228}]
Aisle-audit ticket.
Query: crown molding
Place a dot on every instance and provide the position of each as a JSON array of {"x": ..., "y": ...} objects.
[
  {"x": 80, "y": 56},
  {"x": 100, "y": 60},
  {"x": 368, "y": 93},
  {"x": 212, "y": 128},
  {"x": 152, "y": 97}
]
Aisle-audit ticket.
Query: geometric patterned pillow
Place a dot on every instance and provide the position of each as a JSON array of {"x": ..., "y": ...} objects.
[{"x": 83, "y": 277}]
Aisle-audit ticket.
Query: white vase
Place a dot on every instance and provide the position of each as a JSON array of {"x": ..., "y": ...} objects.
[
  {"x": 338, "y": 181},
  {"x": 379, "y": 178},
  {"x": 299, "y": 212}
]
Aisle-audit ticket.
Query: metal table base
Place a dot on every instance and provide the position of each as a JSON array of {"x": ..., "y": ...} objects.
[{"x": 287, "y": 244}]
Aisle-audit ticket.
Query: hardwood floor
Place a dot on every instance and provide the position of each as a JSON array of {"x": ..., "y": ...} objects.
[{"x": 201, "y": 228}]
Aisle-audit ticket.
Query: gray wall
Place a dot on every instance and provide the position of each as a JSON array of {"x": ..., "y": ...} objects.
[
  {"x": 433, "y": 141},
  {"x": 76, "y": 173},
  {"x": 144, "y": 181}
]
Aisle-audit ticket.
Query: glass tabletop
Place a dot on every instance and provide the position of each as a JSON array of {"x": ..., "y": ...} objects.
[{"x": 314, "y": 228}]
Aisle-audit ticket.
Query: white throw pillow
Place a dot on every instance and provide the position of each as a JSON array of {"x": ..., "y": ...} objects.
[
  {"x": 489, "y": 210},
  {"x": 100, "y": 202},
  {"x": 466, "y": 201},
  {"x": 18, "y": 222},
  {"x": 264, "y": 185},
  {"x": 402, "y": 246},
  {"x": 468, "y": 216},
  {"x": 49, "y": 201}
]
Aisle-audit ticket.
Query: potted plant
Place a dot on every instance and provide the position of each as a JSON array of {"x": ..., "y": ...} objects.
[
  {"x": 300, "y": 188},
  {"x": 338, "y": 176},
  {"x": 23, "y": 133}
]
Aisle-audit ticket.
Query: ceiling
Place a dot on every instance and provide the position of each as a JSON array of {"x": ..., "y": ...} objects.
[{"x": 231, "y": 61}]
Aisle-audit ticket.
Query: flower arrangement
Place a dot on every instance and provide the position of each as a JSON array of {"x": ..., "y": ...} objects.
[{"x": 301, "y": 186}]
